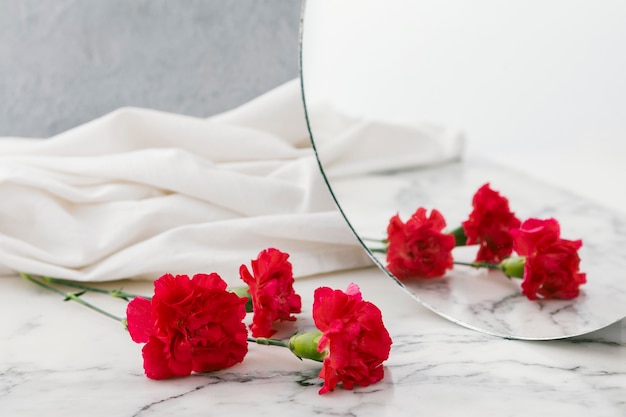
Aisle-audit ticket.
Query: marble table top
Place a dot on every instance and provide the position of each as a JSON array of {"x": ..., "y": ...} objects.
[{"x": 59, "y": 359}]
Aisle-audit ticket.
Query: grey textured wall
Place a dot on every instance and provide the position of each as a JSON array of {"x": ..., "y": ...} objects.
[{"x": 65, "y": 62}]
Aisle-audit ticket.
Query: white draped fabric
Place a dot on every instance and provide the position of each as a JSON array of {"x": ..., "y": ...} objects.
[{"x": 138, "y": 193}]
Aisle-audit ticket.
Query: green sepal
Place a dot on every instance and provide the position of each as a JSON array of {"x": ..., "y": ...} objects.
[
  {"x": 243, "y": 293},
  {"x": 304, "y": 345},
  {"x": 513, "y": 267},
  {"x": 460, "y": 239}
]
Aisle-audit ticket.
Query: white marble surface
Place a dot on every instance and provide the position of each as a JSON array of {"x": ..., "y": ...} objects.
[{"x": 59, "y": 359}]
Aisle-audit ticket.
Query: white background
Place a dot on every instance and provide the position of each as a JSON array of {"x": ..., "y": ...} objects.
[{"x": 537, "y": 84}]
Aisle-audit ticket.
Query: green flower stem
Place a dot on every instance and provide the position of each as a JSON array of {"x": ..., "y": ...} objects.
[
  {"x": 378, "y": 250},
  {"x": 113, "y": 293},
  {"x": 303, "y": 345},
  {"x": 512, "y": 267},
  {"x": 72, "y": 296},
  {"x": 479, "y": 264},
  {"x": 243, "y": 292},
  {"x": 381, "y": 241},
  {"x": 371, "y": 239},
  {"x": 267, "y": 342}
]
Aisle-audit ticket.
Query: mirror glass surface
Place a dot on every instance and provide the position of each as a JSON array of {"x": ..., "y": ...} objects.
[{"x": 419, "y": 103}]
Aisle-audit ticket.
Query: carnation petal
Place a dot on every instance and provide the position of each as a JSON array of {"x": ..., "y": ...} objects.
[
  {"x": 155, "y": 363},
  {"x": 139, "y": 319},
  {"x": 211, "y": 281},
  {"x": 353, "y": 290}
]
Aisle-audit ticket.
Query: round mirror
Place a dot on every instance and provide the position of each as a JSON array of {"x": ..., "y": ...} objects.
[{"x": 421, "y": 103}]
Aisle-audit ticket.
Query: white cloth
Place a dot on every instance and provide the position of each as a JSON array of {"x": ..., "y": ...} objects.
[{"x": 139, "y": 193}]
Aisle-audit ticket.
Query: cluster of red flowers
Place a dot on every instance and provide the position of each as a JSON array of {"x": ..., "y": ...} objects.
[
  {"x": 196, "y": 324},
  {"x": 420, "y": 247}
]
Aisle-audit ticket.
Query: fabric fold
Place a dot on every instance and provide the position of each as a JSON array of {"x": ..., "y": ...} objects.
[{"x": 138, "y": 193}]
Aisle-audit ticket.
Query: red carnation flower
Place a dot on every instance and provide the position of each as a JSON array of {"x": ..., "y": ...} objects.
[
  {"x": 353, "y": 335},
  {"x": 418, "y": 247},
  {"x": 271, "y": 288},
  {"x": 489, "y": 225},
  {"x": 551, "y": 267},
  {"x": 190, "y": 325}
]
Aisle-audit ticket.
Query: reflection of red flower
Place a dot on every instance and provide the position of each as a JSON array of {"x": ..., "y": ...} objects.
[
  {"x": 551, "y": 268},
  {"x": 418, "y": 247},
  {"x": 489, "y": 225},
  {"x": 271, "y": 289},
  {"x": 189, "y": 325},
  {"x": 354, "y": 336}
]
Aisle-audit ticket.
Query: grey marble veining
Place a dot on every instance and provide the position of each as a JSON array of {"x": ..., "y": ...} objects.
[
  {"x": 487, "y": 300},
  {"x": 59, "y": 359}
]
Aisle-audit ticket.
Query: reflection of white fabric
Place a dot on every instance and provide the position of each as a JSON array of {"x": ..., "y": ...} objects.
[
  {"x": 353, "y": 146},
  {"x": 138, "y": 193}
]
